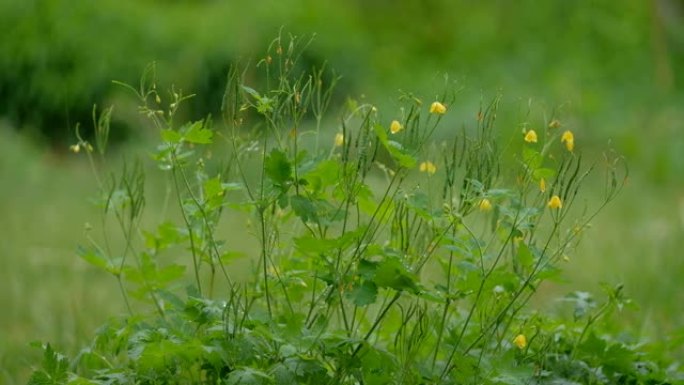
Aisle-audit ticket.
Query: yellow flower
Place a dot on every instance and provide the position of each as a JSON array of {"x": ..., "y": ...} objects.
[
  {"x": 554, "y": 124},
  {"x": 428, "y": 167},
  {"x": 531, "y": 136},
  {"x": 542, "y": 185},
  {"x": 520, "y": 341},
  {"x": 485, "y": 205},
  {"x": 339, "y": 139},
  {"x": 438, "y": 108},
  {"x": 75, "y": 148},
  {"x": 569, "y": 140},
  {"x": 555, "y": 202},
  {"x": 395, "y": 126}
]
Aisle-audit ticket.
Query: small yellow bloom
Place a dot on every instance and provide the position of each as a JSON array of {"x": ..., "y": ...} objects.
[
  {"x": 339, "y": 139},
  {"x": 555, "y": 202},
  {"x": 428, "y": 167},
  {"x": 485, "y": 205},
  {"x": 438, "y": 108},
  {"x": 569, "y": 140},
  {"x": 395, "y": 126},
  {"x": 520, "y": 341},
  {"x": 542, "y": 185},
  {"x": 554, "y": 123},
  {"x": 531, "y": 136},
  {"x": 75, "y": 148}
]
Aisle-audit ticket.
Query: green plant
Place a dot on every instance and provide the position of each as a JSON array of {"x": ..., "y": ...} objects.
[{"x": 382, "y": 258}]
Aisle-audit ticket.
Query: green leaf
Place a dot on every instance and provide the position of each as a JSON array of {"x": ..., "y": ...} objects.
[
  {"x": 198, "y": 134},
  {"x": 524, "y": 255},
  {"x": 252, "y": 92},
  {"x": 213, "y": 187},
  {"x": 303, "y": 208},
  {"x": 532, "y": 158},
  {"x": 95, "y": 258},
  {"x": 364, "y": 294},
  {"x": 278, "y": 168},
  {"x": 395, "y": 149},
  {"x": 593, "y": 346},
  {"x": 324, "y": 174},
  {"x": 169, "y": 274},
  {"x": 310, "y": 245},
  {"x": 546, "y": 173},
  {"x": 392, "y": 273},
  {"x": 248, "y": 376},
  {"x": 367, "y": 268},
  {"x": 171, "y": 136},
  {"x": 54, "y": 369}
]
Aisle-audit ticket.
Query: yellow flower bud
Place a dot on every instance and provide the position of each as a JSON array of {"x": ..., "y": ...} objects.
[
  {"x": 520, "y": 341},
  {"x": 339, "y": 139},
  {"x": 438, "y": 108},
  {"x": 485, "y": 205},
  {"x": 554, "y": 124},
  {"x": 75, "y": 148},
  {"x": 395, "y": 126},
  {"x": 531, "y": 136},
  {"x": 542, "y": 185},
  {"x": 428, "y": 167},
  {"x": 569, "y": 139},
  {"x": 555, "y": 202}
]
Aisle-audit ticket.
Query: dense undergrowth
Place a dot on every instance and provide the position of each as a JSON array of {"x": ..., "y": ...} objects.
[{"x": 383, "y": 257}]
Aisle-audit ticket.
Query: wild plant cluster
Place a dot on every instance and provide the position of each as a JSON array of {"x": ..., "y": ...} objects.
[{"x": 382, "y": 257}]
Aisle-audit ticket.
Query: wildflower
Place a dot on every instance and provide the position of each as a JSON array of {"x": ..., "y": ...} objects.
[
  {"x": 339, "y": 139},
  {"x": 520, "y": 341},
  {"x": 555, "y": 202},
  {"x": 531, "y": 136},
  {"x": 438, "y": 108},
  {"x": 554, "y": 124},
  {"x": 75, "y": 148},
  {"x": 485, "y": 205},
  {"x": 395, "y": 126},
  {"x": 569, "y": 139},
  {"x": 428, "y": 167},
  {"x": 542, "y": 185}
]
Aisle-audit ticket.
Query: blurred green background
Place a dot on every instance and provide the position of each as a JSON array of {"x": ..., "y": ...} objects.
[{"x": 612, "y": 70}]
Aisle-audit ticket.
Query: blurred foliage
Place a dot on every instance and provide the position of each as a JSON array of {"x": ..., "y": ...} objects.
[{"x": 614, "y": 60}]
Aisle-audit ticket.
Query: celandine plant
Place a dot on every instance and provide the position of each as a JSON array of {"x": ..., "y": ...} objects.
[{"x": 382, "y": 258}]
